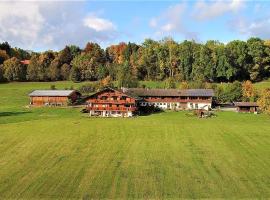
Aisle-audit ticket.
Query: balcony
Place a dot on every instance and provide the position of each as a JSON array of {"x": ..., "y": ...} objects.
[
  {"x": 112, "y": 108},
  {"x": 110, "y": 101}
]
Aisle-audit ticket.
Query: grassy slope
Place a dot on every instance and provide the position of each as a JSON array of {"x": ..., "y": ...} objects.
[
  {"x": 263, "y": 84},
  {"x": 60, "y": 153}
]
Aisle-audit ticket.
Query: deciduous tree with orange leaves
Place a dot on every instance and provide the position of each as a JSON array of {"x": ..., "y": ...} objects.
[
  {"x": 264, "y": 101},
  {"x": 249, "y": 92}
]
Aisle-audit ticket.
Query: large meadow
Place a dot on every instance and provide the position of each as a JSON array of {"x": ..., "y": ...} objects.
[{"x": 62, "y": 153}]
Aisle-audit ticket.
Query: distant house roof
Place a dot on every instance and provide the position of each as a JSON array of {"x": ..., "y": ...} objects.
[
  {"x": 246, "y": 104},
  {"x": 25, "y": 62},
  {"x": 56, "y": 93},
  {"x": 168, "y": 92}
]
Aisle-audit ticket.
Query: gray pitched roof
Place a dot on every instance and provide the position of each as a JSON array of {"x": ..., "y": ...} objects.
[
  {"x": 168, "y": 92},
  {"x": 56, "y": 93}
]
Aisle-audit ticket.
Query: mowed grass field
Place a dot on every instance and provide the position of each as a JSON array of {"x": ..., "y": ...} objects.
[{"x": 61, "y": 153}]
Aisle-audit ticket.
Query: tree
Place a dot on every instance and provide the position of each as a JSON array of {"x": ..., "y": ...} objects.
[
  {"x": 238, "y": 57},
  {"x": 186, "y": 58},
  {"x": 1, "y": 74},
  {"x": 32, "y": 68},
  {"x": 227, "y": 93},
  {"x": 224, "y": 71},
  {"x": 65, "y": 71},
  {"x": 148, "y": 62},
  {"x": 170, "y": 83},
  {"x": 74, "y": 50},
  {"x": 106, "y": 82},
  {"x": 75, "y": 74},
  {"x": 14, "y": 70},
  {"x": 6, "y": 47},
  {"x": 54, "y": 70},
  {"x": 258, "y": 68},
  {"x": 249, "y": 93},
  {"x": 3, "y": 56},
  {"x": 264, "y": 101},
  {"x": 124, "y": 76},
  {"x": 44, "y": 61},
  {"x": 184, "y": 85},
  {"x": 89, "y": 61},
  {"x": 65, "y": 56}
]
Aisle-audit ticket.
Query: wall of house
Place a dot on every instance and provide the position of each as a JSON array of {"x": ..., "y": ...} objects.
[
  {"x": 179, "y": 105},
  {"x": 110, "y": 113},
  {"x": 111, "y": 104},
  {"x": 205, "y": 106},
  {"x": 41, "y": 101}
]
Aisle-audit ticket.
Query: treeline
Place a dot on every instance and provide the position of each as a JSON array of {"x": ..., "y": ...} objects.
[{"x": 152, "y": 60}]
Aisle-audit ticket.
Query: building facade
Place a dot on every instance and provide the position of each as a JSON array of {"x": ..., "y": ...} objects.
[
  {"x": 53, "y": 97},
  {"x": 174, "y": 99},
  {"x": 127, "y": 101},
  {"x": 111, "y": 103}
]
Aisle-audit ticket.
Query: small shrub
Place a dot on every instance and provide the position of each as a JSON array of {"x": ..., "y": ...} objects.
[{"x": 53, "y": 87}]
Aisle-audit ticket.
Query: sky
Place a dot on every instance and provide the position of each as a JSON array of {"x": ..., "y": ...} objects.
[{"x": 43, "y": 25}]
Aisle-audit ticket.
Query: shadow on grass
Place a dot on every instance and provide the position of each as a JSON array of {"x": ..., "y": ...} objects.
[{"x": 7, "y": 114}]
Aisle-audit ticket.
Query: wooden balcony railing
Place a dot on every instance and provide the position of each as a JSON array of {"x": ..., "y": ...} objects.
[
  {"x": 111, "y": 108},
  {"x": 110, "y": 101}
]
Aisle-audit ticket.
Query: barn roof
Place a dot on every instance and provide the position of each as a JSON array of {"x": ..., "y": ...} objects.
[
  {"x": 246, "y": 104},
  {"x": 56, "y": 93},
  {"x": 141, "y": 92}
]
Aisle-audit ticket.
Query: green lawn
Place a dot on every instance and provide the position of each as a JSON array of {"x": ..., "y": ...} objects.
[
  {"x": 263, "y": 84},
  {"x": 61, "y": 153}
]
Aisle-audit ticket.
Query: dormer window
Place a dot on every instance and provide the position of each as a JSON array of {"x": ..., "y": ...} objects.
[
  {"x": 103, "y": 98},
  {"x": 123, "y": 98}
]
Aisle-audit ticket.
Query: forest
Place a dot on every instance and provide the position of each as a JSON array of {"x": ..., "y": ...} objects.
[{"x": 129, "y": 63}]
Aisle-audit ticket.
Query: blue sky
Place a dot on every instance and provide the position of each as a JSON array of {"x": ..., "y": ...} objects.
[{"x": 42, "y": 25}]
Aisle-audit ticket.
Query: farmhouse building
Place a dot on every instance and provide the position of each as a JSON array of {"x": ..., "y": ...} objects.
[
  {"x": 125, "y": 102},
  {"x": 53, "y": 97},
  {"x": 111, "y": 103},
  {"x": 25, "y": 62},
  {"x": 250, "y": 107},
  {"x": 174, "y": 99}
]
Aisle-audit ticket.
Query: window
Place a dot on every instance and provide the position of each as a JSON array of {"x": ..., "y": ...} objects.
[
  {"x": 103, "y": 98},
  {"x": 191, "y": 105},
  {"x": 196, "y": 106},
  {"x": 123, "y": 98}
]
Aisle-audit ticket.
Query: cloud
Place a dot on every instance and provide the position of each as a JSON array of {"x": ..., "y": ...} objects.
[
  {"x": 52, "y": 25},
  {"x": 170, "y": 22},
  {"x": 251, "y": 28},
  {"x": 212, "y": 9},
  {"x": 98, "y": 24}
]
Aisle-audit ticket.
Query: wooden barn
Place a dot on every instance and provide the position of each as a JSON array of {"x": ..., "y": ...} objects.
[
  {"x": 248, "y": 107},
  {"x": 110, "y": 102},
  {"x": 53, "y": 97}
]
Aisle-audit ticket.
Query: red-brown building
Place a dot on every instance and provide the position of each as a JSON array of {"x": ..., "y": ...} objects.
[
  {"x": 124, "y": 102},
  {"x": 53, "y": 97},
  {"x": 174, "y": 99},
  {"x": 111, "y": 103}
]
